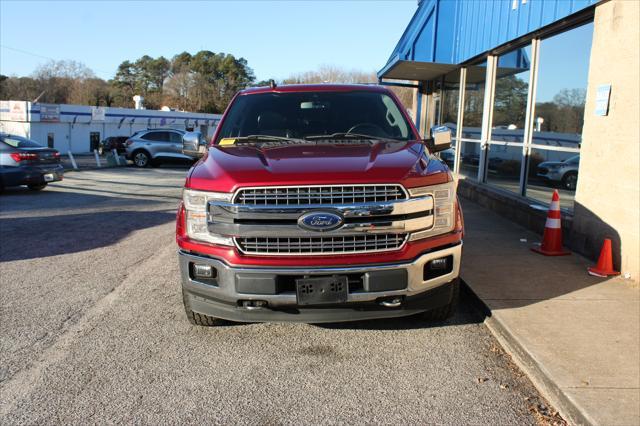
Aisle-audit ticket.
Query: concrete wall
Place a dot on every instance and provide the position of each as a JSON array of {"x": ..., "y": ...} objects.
[{"x": 608, "y": 194}]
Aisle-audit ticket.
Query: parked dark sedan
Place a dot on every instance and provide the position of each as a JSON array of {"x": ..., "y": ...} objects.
[
  {"x": 113, "y": 142},
  {"x": 25, "y": 162}
]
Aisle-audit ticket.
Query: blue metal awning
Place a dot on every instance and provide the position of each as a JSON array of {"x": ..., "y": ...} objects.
[
  {"x": 443, "y": 34},
  {"x": 414, "y": 70}
]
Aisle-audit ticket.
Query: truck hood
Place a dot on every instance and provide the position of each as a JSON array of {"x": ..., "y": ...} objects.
[{"x": 228, "y": 168}]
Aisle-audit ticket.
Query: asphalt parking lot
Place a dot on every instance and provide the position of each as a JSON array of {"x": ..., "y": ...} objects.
[{"x": 93, "y": 330}]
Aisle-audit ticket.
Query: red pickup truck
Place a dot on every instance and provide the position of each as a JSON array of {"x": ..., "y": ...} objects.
[{"x": 318, "y": 203}]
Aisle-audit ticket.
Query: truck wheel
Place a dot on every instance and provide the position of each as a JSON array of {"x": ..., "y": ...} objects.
[
  {"x": 37, "y": 187},
  {"x": 570, "y": 181},
  {"x": 446, "y": 311},
  {"x": 199, "y": 319},
  {"x": 141, "y": 158}
]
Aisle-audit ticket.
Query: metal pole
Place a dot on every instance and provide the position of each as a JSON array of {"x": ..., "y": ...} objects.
[
  {"x": 414, "y": 104},
  {"x": 418, "y": 112},
  {"x": 463, "y": 84},
  {"x": 116, "y": 156},
  {"x": 487, "y": 117},
  {"x": 95, "y": 154},
  {"x": 73, "y": 161},
  {"x": 530, "y": 116}
]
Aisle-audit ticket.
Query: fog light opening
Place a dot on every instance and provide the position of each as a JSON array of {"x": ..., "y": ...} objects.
[
  {"x": 438, "y": 263},
  {"x": 438, "y": 267},
  {"x": 204, "y": 271}
]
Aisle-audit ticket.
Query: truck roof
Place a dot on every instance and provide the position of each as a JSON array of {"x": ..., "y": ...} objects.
[{"x": 323, "y": 87}]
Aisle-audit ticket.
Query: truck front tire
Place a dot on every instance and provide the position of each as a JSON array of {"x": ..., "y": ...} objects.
[
  {"x": 444, "y": 312},
  {"x": 199, "y": 319}
]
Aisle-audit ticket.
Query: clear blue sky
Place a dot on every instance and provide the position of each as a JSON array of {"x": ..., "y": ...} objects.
[
  {"x": 277, "y": 38},
  {"x": 564, "y": 62}
]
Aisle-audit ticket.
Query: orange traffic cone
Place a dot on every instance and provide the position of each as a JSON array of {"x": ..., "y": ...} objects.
[
  {"x": 604, "y": 268},
  {"x": 552, "y": 239}
]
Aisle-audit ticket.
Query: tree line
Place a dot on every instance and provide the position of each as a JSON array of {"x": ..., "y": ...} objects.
[{"x": 203, "y": 82}]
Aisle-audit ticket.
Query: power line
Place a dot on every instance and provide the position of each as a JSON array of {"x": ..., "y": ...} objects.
[{"x": 4, "y": 46}]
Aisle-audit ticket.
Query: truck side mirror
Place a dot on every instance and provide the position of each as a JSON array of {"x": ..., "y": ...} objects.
[
  {"x": 440, "y": 139},
  {"x": 191, "y": 143}
]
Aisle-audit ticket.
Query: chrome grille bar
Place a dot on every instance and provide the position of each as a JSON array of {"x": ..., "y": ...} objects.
[
  {"x": 320, "y": 245},
  {"x": 315, "y": 195}
]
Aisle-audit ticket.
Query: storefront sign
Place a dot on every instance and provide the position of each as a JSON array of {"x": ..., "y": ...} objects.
[
  {"x": 17, "y": 111},
  {"x": 98, "y": 113},
  {"x": 602, "y": 99},
  {"x": 49, "y": 113}
]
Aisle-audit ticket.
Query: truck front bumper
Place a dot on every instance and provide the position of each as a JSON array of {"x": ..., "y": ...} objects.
[{"x": 375, "y": 291}]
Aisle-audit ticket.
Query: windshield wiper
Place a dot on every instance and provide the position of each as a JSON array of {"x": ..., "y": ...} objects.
[
  {"x": 265, "y": 138},
  {"x": 348, "y": 135}
]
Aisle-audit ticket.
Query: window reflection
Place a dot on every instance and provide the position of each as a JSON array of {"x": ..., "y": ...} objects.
[
  {"x": 469, "y": 159},
  {"x": 472, "y": 120},
  {"x": 559, "y": 115},
  {"x": 449, "y": 112},
  {"x": 509, "y": 113},
  {"x": 474, "y": 101}
]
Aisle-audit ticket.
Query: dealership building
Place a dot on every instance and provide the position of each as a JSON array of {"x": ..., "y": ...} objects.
[
  {"x": 539, "y": 95},
  {"x": 79, "y": 128}
]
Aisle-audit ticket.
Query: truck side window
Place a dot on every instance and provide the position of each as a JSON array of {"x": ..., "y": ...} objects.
[{"x": 394, "y": 117}]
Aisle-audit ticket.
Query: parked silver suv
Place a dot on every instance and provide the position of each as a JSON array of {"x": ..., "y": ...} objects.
[
  {"x": 152, "y": 146},
  {"x": 564, "y": 172}
]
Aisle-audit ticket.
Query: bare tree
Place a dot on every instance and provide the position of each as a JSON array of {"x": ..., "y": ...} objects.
[
  {"x": 335, "y": 74},
  {"x": 63, "y": 69},
  {"x": 331, "y": 74}
]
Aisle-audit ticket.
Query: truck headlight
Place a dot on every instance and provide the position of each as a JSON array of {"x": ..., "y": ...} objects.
[
  {"x": 444, "y": 197},
  {"x": 195, "y": 204}
]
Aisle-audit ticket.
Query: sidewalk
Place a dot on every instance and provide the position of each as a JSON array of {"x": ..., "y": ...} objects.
[{"x": 576, "y": 336}]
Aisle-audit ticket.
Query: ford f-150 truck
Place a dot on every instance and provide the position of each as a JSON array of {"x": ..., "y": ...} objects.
[{"x": 318, "y": 203}]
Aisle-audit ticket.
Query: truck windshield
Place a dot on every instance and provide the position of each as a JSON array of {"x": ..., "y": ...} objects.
[{"x": 315, "y": 114}]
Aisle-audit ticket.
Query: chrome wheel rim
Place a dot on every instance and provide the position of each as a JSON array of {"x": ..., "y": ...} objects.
[{"x": 140, "y": 159}]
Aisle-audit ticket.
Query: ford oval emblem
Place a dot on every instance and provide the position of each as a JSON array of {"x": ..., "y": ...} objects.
[{"x": 320, "y": 221}]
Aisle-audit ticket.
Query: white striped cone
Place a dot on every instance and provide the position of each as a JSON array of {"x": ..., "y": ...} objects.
[{"x": 552, "y": 239}]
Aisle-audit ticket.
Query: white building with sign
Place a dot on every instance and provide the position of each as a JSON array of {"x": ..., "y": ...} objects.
[{"x": 79, "y": 128}]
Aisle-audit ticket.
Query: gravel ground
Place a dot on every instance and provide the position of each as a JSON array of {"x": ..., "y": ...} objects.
[{"x": 93, "y": 331}]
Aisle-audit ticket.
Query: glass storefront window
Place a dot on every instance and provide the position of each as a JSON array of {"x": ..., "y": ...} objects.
[
  {"x": 449, "y": 112},
  {"x": 473, "y": 106},
  {"x": 509, "y": 113},
  {"x": 550, "y": 170},
  {"x": 469, "y": 158},
  {"x": 559, "y": 115},
  {"x": 450, "y": 95},
  {"x": 474, "y": 101}
]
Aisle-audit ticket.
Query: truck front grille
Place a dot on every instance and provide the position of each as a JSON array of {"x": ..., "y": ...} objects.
[
  {"x": 321, "y": 245},
  {"x": 316, "y": 195}
]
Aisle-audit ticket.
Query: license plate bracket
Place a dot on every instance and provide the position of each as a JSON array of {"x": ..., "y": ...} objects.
[{"x": 322, "y": 290}]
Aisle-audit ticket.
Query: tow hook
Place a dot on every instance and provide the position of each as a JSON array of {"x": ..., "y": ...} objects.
[
  {"x": 253, "y": 305},
  {"x": 392, "y": 303}
]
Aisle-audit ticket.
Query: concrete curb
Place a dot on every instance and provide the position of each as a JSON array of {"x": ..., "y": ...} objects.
[
  {"x": 536, "y": 372},
  {"x": 82, "y": 169}
]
